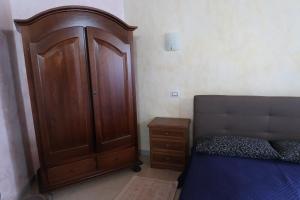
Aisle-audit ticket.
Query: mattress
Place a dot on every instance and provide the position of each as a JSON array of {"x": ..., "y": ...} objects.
[{"x": 228, "y": 178}]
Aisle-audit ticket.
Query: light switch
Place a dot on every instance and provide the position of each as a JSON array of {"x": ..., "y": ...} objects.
[{"x": 174, "y": 93}]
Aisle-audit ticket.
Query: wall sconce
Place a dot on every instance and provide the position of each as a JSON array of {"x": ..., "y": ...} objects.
[{"x": 172, "y": 41}]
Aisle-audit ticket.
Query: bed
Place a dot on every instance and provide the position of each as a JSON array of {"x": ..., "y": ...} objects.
[{"x": 219, "y": 177}]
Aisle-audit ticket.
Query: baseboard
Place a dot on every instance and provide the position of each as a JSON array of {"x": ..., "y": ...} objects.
[
  {"x": 144, "y": 152},
  {"x": 27, "y": 188}
]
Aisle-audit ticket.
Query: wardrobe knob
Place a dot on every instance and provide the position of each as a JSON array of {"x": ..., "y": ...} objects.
[{"x": 94, "y": 92}]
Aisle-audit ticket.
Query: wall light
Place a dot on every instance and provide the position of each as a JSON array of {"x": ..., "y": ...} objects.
[{"x": 172, "y": 41}]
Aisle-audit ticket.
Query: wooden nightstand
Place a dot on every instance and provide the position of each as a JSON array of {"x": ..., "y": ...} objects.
[{"x": 169, "y": 142}]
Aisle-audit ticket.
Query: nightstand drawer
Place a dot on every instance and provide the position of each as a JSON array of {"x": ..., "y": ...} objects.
[
  {"x": 167, "y": 133},
  {"x": 161, "y": 144},
  {"x": 168, "y": 158}
]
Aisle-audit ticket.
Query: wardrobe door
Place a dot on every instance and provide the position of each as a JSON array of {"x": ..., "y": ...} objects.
[
  {"x": 110, "y": 63},
  {"x": 61, "y": 84}
]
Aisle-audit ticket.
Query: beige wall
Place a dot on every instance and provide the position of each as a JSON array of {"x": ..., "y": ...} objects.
[
  {"x": 249, "y": 47},
  {"x": 23, "y": 9},
  {"x": 13, "y": 168}
]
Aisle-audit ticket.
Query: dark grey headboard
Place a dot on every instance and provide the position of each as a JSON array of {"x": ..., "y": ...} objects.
[{"x": 253, "y": 116}]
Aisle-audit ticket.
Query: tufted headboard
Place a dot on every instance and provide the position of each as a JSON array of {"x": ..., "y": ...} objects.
[{"x": 252, "y": 116}]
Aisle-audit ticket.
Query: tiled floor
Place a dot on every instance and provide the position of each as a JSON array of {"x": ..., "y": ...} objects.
[{"x": 108, "y": 186}]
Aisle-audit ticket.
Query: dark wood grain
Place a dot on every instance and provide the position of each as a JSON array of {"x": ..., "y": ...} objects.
[
  {"x": 67, "y": 172},
  {"x": 162, "y": 144},
  {"x": 62, "y": 91},
  {"x": 81, "y": 84},
  {"x": 114, "y": 159},
  {"x": 110, "y": 61},
  {"x": 169, "y": 143},
  {"x": 170, "y": 122},
  {"x": 74, "y": 10}
]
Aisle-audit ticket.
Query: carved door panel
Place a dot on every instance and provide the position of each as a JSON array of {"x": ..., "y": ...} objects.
[
  {"x": 110, "y": 66},
  {"x": 61, "y": 83}
]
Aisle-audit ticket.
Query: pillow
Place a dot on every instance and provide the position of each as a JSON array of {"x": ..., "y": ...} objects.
[
  {"x": 289, "y": 150},
  {"x": 237, "y": 146}
]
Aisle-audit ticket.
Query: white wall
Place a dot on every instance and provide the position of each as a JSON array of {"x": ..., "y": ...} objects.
[
  {"x": 249, "y": 47},
  {"x": 22, "y": 9},
  {"x": 13, "y": 168}
]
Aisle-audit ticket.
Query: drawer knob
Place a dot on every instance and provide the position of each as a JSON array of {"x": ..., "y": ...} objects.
[
  {"x": 167, "y": 145},
  {"x": 166, "y": 133},
  {"x": 167, "y": 158}
]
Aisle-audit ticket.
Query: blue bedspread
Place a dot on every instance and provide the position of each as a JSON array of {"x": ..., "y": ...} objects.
[{"x": 227, "y": 178}]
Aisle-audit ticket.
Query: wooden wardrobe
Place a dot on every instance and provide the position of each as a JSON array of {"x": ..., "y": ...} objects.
[{"x": 81, "y": 79}]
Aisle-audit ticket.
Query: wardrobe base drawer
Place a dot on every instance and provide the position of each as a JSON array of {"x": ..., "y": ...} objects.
[
  {"x": 72, "y": 170},
  {"x": 117, "y": 159}
]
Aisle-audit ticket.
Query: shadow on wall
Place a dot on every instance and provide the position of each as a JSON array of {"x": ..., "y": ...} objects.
[{"x": 13, "y": 111}]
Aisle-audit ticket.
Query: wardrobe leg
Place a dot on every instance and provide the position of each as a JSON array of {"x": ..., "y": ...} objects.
[
  {"x": 136, "y": 168},
  {"x": 49, "y": 196},
  {"x": 139, "y": 162}
]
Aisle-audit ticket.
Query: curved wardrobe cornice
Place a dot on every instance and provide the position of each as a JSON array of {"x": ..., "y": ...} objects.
[
  {"x": 57, "y": 18},
  {"x": 79, "y": 9}
]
